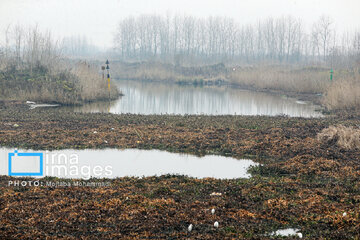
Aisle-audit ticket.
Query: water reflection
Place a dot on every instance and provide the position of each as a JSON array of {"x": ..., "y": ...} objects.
[
  {"x": 113, "y": 163},
  {"x": 94, "y": 107},
  {"x": 156, "y": 98}
]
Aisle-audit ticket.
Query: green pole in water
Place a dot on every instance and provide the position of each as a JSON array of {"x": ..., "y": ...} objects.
[{"x": 331, "y": 74}]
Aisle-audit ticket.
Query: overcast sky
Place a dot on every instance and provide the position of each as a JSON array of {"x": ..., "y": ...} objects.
[{"x": 97, "y": 19}]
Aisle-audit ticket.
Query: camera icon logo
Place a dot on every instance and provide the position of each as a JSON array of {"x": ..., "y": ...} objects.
[{"x": 25, "y": 164}]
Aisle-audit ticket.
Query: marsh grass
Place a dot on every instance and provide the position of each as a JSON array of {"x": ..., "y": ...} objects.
[
  {"x": 36, "y": 70},
  {"x": 344, "y": 92},
  {"x": 80, "y": 84},
  {"x": 301, "y": 80},
  {"x": 344, "y": 137},
  {"x": 91, "y": 84},
  {"x": 156, "y": 71}
]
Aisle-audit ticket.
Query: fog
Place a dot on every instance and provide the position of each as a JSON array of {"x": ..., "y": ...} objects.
[{"x": 97, "y": 20}]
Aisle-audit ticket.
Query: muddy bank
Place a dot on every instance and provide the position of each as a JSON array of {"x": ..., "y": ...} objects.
[{"x": 303, "y": 183}]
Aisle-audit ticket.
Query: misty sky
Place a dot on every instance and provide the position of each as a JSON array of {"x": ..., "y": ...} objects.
[{"x": 97, "y": 19}]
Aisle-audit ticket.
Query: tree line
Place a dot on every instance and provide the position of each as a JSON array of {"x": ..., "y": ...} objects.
[
  {"x": 28, "y": 46},
  {"x": 281, "y": 40}
]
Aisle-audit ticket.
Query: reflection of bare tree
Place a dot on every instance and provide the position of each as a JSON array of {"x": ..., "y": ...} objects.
[{"x": 151, "y": 98}]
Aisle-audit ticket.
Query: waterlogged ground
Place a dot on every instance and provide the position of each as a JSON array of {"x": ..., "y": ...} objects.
[{"x": 302, "y": 183}]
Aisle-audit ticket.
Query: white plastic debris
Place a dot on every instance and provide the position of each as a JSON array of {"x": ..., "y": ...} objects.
[
  {"x": 213, "y": 211},
  {"x": 30, "y": 102},
  {"x": 287, "y": 232},
  {"x": 215, "y": 194},
  {"x": 216, "y": 224},
  {"x": 344, "y": 214},
  {"x": 16, "y": 125},
  {"x": 95, "y": 132},
  {"x": 33, "y": 106},
  {"x": 190, "y": 227}
]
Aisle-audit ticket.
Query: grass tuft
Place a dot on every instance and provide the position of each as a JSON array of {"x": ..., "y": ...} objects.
[{"x": 344, "y": 137}]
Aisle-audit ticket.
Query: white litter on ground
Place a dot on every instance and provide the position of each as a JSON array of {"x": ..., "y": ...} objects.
[
  {"x": 287, "y": 232},
  {"x": 33, "y": 106},
  {"x": 190, "y": 227}
]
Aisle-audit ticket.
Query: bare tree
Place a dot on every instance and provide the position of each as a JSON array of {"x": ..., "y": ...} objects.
[{"x": 324, "y": 30}]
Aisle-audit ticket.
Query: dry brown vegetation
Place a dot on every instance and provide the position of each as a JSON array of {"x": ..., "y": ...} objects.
[
  {"x": 344, "y": 93},
  {"x": 345, "y": 137},
  {"x": 91, "y": 84},
  {"x": 301, "y": 80},
  {"x": 146, "y": 71},
  {"x": 80, "y": 84},
  {"x": 32, "y": 68},
  {"x": 156, "y": 71}
]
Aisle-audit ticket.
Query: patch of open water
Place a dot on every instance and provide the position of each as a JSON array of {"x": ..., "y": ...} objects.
[
  {"x": 156, "y": 98},
  {"x": 112, "y": 163}
]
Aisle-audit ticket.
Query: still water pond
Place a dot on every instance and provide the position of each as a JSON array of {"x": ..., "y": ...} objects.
[
  {"x": 112, "y": 163},
  {"x": 157, "y": 98}
]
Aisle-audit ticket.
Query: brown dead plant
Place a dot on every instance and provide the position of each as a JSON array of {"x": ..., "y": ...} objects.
[{"x": 344, "y": 137}]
